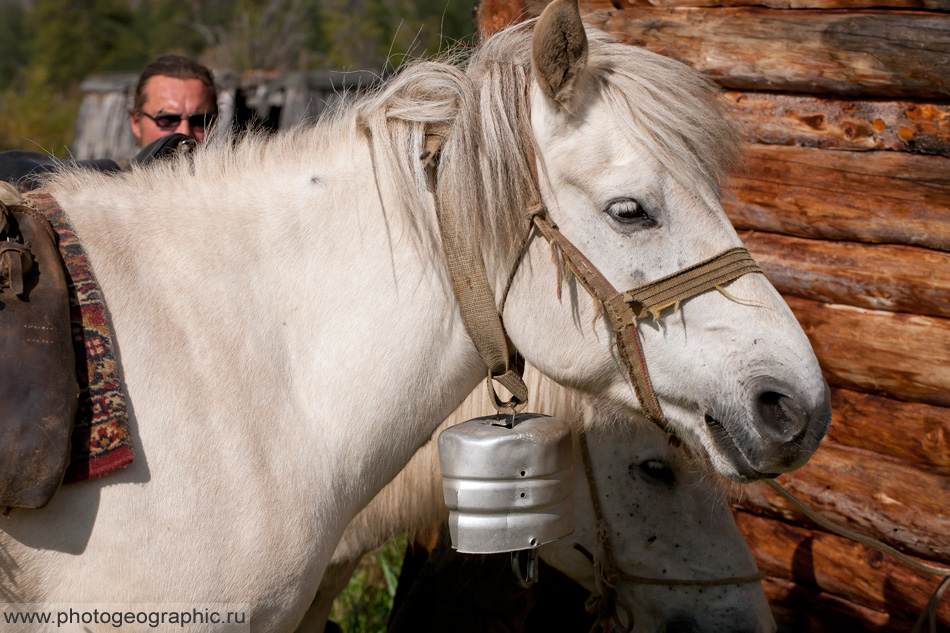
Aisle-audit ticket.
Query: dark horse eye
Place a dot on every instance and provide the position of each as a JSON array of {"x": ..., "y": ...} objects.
[
  {"x": 629, "y": 211},
  {"x": 657, "y": 470}
]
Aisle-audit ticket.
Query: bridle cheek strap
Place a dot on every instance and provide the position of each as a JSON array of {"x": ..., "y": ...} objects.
[{"x": 624, "y": 309}]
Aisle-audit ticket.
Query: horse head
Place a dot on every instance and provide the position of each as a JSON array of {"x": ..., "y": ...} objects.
[
  {"x": 629, "y": 149},
  {"x": 656, "y": 523}
]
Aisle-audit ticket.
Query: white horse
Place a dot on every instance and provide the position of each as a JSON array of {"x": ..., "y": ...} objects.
[
  {"x": 668, "y": 519},
  {"x": 289, "y": 337}
]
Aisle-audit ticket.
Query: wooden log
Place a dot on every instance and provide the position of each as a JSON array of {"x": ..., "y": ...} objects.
[
  {"x": 931, "y": 5},
  {"x": 781, "y": 119},
  {"x": 802, "y": 609},
  {"x": 896, "y": 502},
  {"x": 534, "y": 7},
  {"x": 898, "y": 355},
  {"x": 839, "y": 567},
  {"x": 909, "y": 431},
  {"x": 493, "y": 15},
  {"x": 879, "y": 277},
  {"x": 880, "y": 197},
  {"x": 871, "y": 53}
]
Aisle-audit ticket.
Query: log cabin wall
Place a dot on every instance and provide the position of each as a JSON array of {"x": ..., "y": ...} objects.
[{"x": 845, "y": 203}]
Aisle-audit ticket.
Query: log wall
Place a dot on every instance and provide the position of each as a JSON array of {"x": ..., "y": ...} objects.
[{"x": 845, "y": 202}]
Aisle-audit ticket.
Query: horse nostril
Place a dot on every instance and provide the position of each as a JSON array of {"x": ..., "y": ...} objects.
[{"x": 780, "y": 417}]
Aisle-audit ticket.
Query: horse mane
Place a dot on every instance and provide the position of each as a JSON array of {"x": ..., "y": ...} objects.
[
  {"x": 481, "y": 106},
  {"x": 484, "y": 171}
]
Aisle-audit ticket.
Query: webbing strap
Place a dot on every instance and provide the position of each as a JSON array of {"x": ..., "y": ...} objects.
[
  {"x": 629, "y": 347},
  {"x": 479, "y": 314},
  {"x": 652, "y": 298},
  {"x": 623, "y": 309}
]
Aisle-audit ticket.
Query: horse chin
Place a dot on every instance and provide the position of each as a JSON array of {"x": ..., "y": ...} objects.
[
  {"x": 726, "y": 456},
  {"x": 744, "y": 458}
]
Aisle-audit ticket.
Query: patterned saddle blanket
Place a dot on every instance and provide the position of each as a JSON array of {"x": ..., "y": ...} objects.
[{"x": 101, "y": 440}]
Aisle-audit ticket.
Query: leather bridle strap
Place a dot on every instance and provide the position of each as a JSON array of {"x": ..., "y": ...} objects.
[
  {"x": 654, "y": 297},
  {"x": 479, "y": 313},
  {"x": 623, "y": 309},
  {"x": 628, "y": 342}
]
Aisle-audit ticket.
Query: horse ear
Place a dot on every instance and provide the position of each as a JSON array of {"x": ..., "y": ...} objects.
[{"x": 559, "y": 49}]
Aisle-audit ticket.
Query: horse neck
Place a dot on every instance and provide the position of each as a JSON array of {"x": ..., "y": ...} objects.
[
  {"x": 299, "y": 296},
  {"x": 414, "y": 499}
]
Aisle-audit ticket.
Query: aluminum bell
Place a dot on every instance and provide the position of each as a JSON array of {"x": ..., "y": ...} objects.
[{"x": 507, "y": 488}]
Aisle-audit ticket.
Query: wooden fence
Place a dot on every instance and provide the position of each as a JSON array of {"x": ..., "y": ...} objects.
[
  {"x": 268, "y": 100},
  {"x": 845, "y": 203}
]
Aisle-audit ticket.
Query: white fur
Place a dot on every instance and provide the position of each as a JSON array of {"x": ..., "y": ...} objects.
[
  {"x": 681, "y": 530},
  {"x": 289, "y": 338}
]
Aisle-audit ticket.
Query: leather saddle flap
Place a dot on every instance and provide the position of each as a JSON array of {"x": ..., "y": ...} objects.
[{"x": 38, "y": 389}]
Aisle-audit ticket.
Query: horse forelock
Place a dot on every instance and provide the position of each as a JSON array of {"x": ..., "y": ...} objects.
[
  {"x": 661, "y": 104},
  {"x": 670, "y": 109}
]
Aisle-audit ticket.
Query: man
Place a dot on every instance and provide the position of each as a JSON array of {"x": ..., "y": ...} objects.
[{"x": 173, "y": 94}]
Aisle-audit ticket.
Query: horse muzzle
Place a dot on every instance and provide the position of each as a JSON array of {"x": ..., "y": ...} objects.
[{"x": 776, "y": 431}]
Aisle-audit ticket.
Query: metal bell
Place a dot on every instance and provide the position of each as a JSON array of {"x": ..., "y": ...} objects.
[{"x": 507, "y": 488}]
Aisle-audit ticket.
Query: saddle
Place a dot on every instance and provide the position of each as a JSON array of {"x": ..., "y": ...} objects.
[
  {"x": 26, "y": 169},
  {"x": 38, "y": 390}
]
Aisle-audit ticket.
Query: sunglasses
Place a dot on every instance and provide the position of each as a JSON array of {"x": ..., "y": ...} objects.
[{"x": 171, "y": 121}]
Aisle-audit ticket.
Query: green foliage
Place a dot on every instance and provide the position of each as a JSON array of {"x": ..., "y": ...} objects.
[
  {"x": 72, "y": 39},
  {"x": 36, "y": 118},
  {"x": 14, "y": 46},
  {"x": 47, "y": 47},
  {"x": 364, "y": 606},
  {"x": 370, "y": 33}
]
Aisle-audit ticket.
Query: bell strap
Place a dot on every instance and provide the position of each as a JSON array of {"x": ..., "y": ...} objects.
[
  {"x": 479, "y": 314},
  {"x": 624, "y": 309}
]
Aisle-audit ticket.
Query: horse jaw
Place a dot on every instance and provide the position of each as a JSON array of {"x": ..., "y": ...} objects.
[{"x": 733, "y": 371}]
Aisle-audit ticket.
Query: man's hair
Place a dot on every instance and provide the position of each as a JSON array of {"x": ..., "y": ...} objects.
[{"x": 177, "y": 67}]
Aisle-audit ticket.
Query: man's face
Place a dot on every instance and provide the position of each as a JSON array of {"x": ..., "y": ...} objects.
[{"x": 171, "y": 96}]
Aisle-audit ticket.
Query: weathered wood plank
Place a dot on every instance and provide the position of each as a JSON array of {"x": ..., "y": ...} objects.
[
  {"x": 487, "y": 11},
  {"x": 879, "y": 277},
  {"x": 493, "y": 15},
  {"x": 903, "y": 356},
  {"x": 803, "y": 609},
  {"x": 882, "y": 197},
  {"x": 931, "y": 5},
  {"x": 782, "y": 119},
  {"x": 893, "y": 501},
  {"x": 839, "y": 567},
  {"x": 867, "y": 53},
  {"x": 909, "y": 431}
]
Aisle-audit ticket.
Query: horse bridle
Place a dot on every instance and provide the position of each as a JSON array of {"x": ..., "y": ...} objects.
[
  {"x": 624, "y": 309},
  {"x": 484, "y": 323},
  {"x": 483, "y": 319}
]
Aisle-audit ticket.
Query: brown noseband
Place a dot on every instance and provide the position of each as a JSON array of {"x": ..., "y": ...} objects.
[{"x": 624, "y": 309}]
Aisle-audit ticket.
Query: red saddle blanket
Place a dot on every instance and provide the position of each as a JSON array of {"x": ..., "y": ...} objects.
[{"x": 101, "y": 441}]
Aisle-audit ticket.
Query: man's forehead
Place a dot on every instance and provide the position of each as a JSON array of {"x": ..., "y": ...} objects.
[{"x": 171, "y": 94}]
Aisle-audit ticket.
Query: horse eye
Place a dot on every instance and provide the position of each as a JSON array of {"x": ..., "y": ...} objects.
[
  {"x": 629, "y": 211},
  {"x": 658, "y": 470}
]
